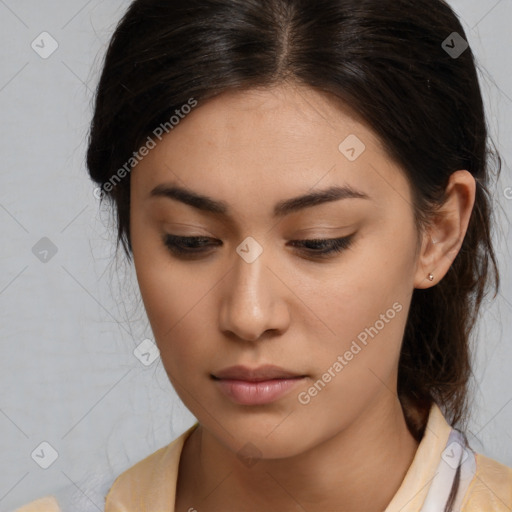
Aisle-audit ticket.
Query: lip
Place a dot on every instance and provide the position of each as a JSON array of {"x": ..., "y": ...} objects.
[
  {"x": 259, "y": 374},
  {"x": 256, "y": 386}
]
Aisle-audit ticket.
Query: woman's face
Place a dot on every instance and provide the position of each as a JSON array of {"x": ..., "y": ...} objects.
[{"x": 253, "y": 296}]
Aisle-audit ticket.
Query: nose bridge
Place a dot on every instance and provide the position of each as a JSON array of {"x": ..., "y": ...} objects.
[
  {"x": 249, "y": 272},
  {"x": 250, "y": 306}
]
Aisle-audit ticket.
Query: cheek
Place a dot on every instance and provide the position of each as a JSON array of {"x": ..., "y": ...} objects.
[
  {"x": 175, "y": 302},
  {"x": 360, "y": 362},
  {"x": 175, "y": 297},
  {"x": 365, "y": 303},
  {"x": 365, "y": 319}
]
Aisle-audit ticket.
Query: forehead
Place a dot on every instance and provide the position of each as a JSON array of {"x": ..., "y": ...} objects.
[
  {"x": 270, "y": 140},
  {"x": 293, "y": 112}
]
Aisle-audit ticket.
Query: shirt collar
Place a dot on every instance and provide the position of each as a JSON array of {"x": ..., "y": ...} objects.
[
  {"x": 160, "y": 471},
  {"x": 424, "y": 467}
]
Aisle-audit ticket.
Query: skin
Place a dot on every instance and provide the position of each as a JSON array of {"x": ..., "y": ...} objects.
[{"x": 349, "y": 448}]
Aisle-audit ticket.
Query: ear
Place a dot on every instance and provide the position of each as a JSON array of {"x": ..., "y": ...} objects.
[{"x": 443, "y": 239}]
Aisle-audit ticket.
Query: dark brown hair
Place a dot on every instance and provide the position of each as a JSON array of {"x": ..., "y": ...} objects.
[{"x": 385, "y": 59}]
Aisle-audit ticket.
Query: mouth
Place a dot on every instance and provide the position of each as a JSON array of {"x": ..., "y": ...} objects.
[
  {"x": 260, "y": 374},
  {"x": 257, "y": 386}
]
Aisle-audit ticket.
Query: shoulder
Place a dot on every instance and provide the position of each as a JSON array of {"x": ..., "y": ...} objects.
[
  {"x": 151, "y": 480},
  {"x": 46, "y": 504},
  {"x": 88, "y": 495},
  {"x": 142, "y": 473},
  {"x": 491, "y": 487}
]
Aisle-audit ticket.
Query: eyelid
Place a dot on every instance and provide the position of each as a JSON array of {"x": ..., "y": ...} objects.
[
  {"x": 316, "y": 229},
  {"x": 334, "y": 245}
]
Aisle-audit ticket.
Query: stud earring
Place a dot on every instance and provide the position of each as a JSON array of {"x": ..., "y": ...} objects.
[{"x": 431, "y": 277}]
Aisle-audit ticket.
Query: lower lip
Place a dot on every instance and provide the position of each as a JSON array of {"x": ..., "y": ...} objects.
[{"x": 256, "y": 393}]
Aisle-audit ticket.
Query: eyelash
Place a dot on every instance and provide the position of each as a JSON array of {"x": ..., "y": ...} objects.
[{"x": 334, "y": 245}]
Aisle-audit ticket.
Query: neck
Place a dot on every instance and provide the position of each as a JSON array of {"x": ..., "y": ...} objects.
[{"x": 360, "y": 468}]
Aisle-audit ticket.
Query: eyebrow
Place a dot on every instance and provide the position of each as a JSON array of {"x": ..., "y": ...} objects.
[{"x": 281, "y": 209}]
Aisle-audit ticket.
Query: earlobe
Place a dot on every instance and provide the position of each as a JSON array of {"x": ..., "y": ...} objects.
[
  {"x": 426, "y": 264},
  {"x": 448, "y": 227}
]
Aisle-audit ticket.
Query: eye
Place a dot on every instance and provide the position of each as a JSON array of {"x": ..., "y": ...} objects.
[
  {"x": 324, "y": 247},
  {"x": 187, "y": 245},
  {"x": 190, "y": 246}
]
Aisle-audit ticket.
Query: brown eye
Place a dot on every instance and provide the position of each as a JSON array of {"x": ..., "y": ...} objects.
[
  {"x": 187, "y": 245},
  {"x": 324, "y": 247},
  {"x": 197, "y": 245}
]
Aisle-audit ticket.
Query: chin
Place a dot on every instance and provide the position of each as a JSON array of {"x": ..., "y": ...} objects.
[{"x": 265, "y": 437}]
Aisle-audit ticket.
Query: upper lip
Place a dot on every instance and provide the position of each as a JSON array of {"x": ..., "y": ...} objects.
[{"x": 261, "y": 373}]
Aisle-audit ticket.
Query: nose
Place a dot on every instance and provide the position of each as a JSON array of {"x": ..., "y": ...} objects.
[{"x": 253, "y": 300}]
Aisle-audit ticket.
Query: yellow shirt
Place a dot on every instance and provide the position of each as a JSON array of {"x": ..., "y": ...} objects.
[{"x": 485, "y": 484}]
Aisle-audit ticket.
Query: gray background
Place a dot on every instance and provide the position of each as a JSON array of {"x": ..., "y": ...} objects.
[{"x": 69, "y": 325}]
